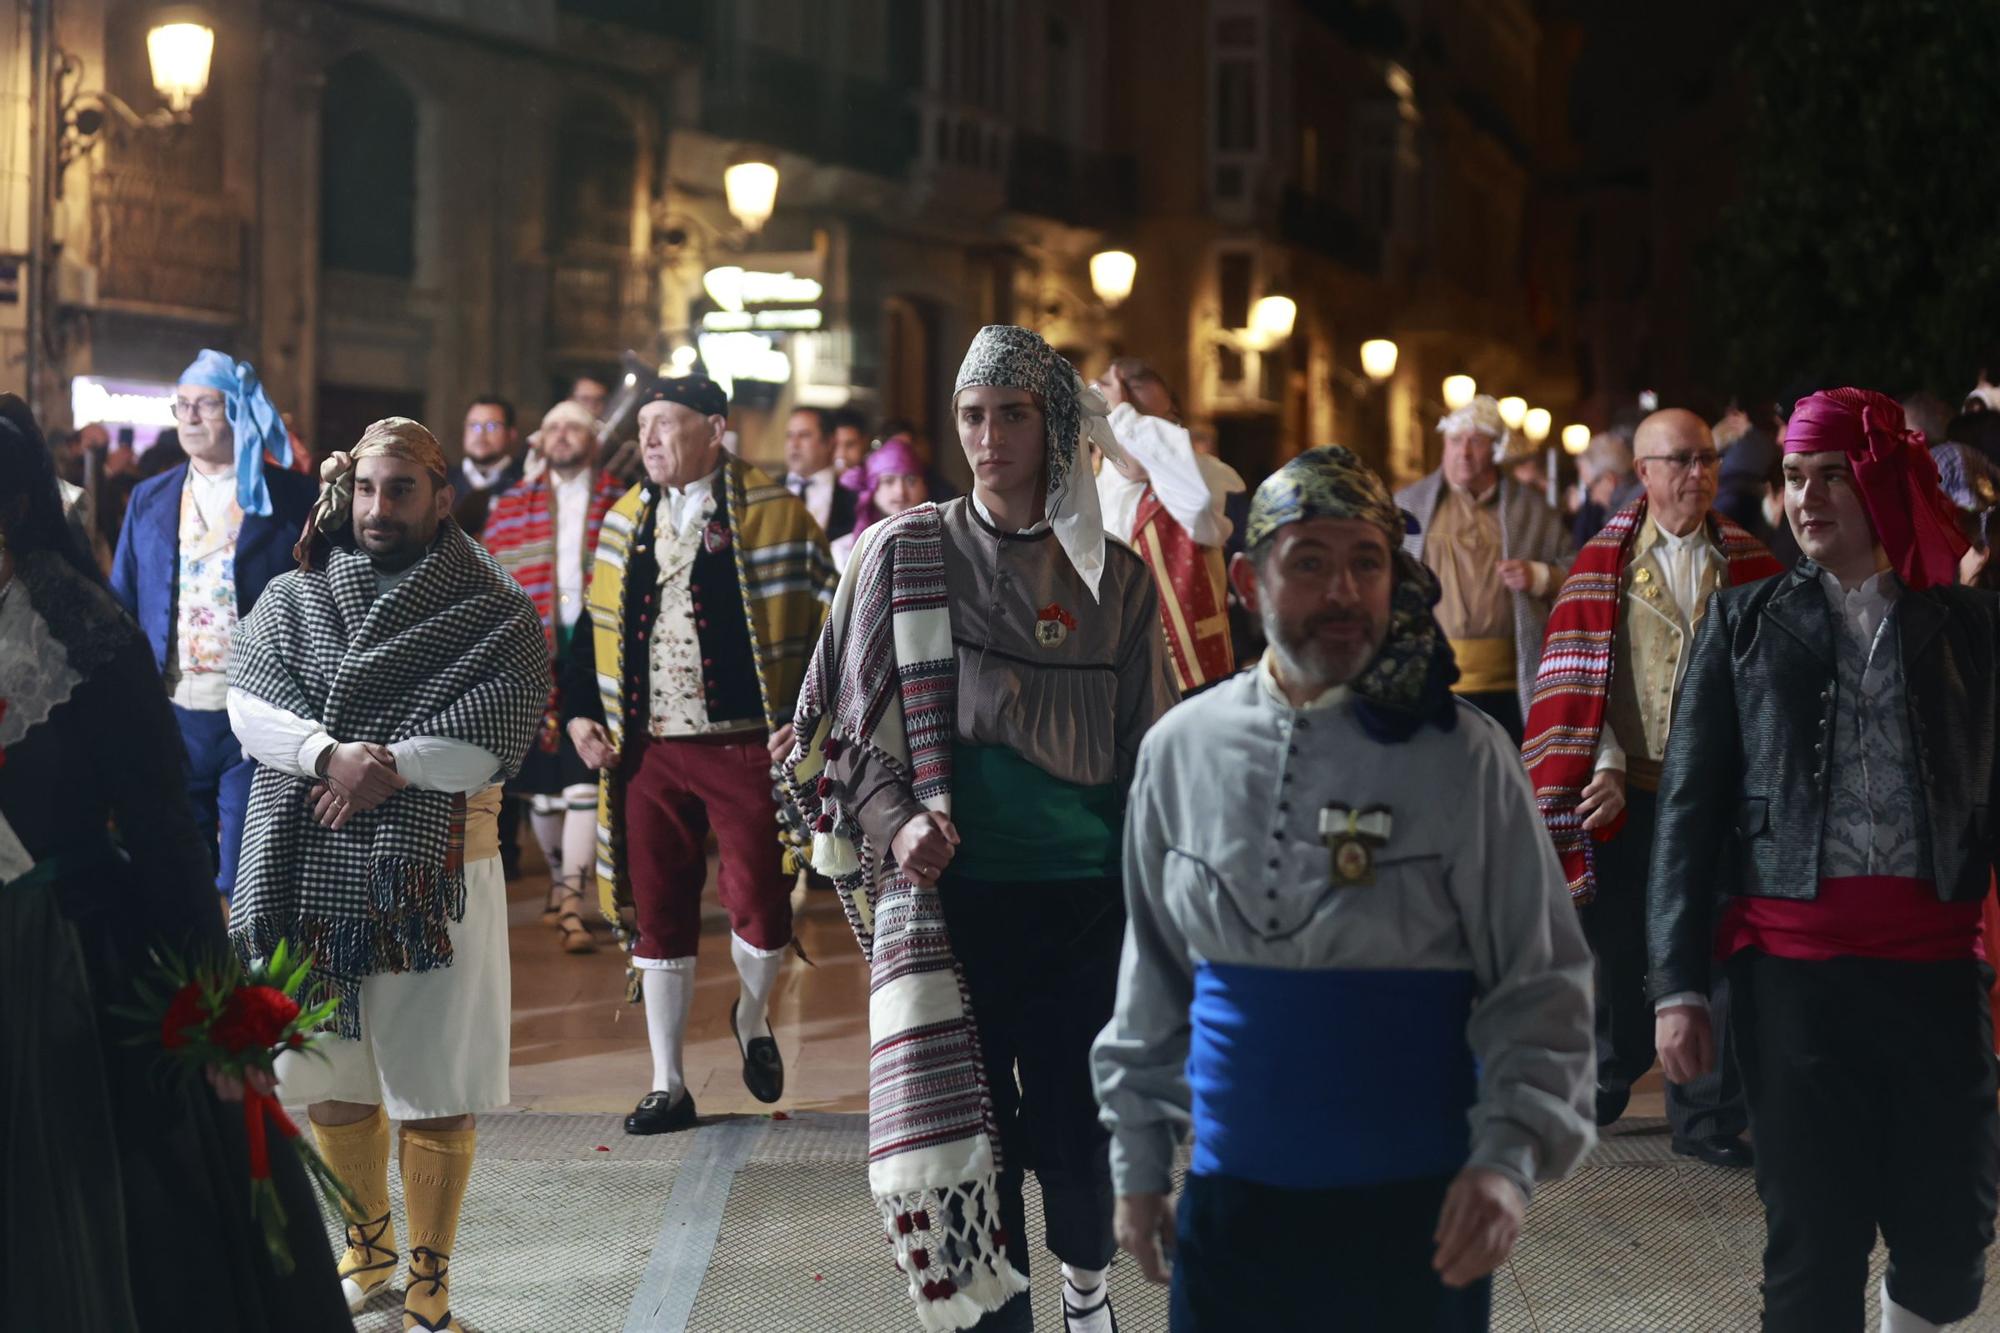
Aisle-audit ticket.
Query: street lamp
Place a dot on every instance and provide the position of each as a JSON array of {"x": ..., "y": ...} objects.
[
  {"x": 1575, "y": 438},
  {"x": 1535, "y": 424},
  {"x": 1378, "y": 359},
  {"x": 65, "y": 121},
  {"x": 180, "y": 48},
  {"x": 1272, "y": 319},
  {"x": 1111, "y": 275},
  {"x": 752, "y": 189},
  {"x": 1513, "y": 411},
  {"x": 1458, "y": 391}
]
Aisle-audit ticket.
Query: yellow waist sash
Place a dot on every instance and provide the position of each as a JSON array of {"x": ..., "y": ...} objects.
[
  {"x": 1485, "y": 666},
  {"x": 482, "y": 825}
]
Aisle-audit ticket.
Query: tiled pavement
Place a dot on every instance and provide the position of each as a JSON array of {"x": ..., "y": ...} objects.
[{"x": 757, "y": 1225}]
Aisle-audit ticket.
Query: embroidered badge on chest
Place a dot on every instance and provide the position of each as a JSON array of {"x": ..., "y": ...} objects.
[
  {"x": 715, "y": 537},
  {"x": 1052, "y": 625},
  {"x": 1351, "y": 837}
]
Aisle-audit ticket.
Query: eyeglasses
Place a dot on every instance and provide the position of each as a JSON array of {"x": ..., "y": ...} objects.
[
  {"x": 212, "y": 408},
  {"x": 485, "y": 428},
  {"x": 1681, "y": 462}
]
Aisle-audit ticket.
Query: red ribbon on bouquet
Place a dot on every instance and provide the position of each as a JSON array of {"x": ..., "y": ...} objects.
[{"x": 255, "y": 1107}]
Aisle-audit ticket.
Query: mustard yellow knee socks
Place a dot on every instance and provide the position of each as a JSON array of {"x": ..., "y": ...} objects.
[
  {"x": 436, "y": 1165},
  {"x": 359, "y": 1155}
]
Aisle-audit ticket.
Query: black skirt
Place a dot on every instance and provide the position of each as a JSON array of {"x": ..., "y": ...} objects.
[{"x": 127, "y": 1178}]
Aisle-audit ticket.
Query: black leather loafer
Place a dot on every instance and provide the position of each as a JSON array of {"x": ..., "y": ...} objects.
[
  {"x": 763, "y": 1067},
  {"x": 655, "y": 1114}
]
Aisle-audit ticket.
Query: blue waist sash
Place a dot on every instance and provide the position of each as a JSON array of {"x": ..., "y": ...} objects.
[{"x": 1330, "y": 1079}]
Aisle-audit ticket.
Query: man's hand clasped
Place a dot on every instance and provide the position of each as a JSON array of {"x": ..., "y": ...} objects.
[
  {"x": 924, "y": 846},
  {"x": 593, "y": 743},
  {"x": 359, "y": 777}
]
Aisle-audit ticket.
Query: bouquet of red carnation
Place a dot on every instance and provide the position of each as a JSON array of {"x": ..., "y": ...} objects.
[{"x": 230, "y": 1023}]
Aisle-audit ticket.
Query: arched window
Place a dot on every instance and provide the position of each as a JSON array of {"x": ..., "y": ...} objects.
[
  {"x": 368, "y": 170},
  {"x": 596, "y": 178}
]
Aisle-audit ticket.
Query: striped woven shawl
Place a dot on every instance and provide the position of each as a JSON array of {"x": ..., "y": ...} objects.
[
  {"x": 520, "y": 534},
  {"x": 885, "y": 677},
  {"x": 1573, "y": 684}
]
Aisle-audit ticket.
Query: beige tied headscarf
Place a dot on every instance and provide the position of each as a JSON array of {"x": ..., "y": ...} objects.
[{"x": 394, "y": 437}]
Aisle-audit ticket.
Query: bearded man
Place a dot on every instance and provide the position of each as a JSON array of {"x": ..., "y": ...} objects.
[
  {"x": 1374, "y": 1011},
  {"x": 386, "y": 689}
]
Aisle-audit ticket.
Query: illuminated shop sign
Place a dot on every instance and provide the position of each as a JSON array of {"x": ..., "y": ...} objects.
[
  {"x": 743, "y": 356},
  {"x": 747, "y": 300}
]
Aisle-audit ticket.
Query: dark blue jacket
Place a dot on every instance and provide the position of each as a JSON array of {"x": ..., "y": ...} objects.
[{"x": 147, "y": 566}]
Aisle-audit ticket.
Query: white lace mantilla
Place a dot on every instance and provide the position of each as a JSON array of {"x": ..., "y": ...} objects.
[
  {"x": 35, "y": 674},
  {"x": 35, "y": 677}
]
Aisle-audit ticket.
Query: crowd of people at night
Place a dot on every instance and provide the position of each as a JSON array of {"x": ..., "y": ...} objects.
[{"x": 1292, "y": 873}]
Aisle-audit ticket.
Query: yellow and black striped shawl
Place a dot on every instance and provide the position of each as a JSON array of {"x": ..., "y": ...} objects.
[{"x": 787, "y": 579}]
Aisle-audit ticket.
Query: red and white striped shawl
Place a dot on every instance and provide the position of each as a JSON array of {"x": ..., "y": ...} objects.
[
  {"x": 1573, "y": 685},
  {"x": 520, "y": 535}
]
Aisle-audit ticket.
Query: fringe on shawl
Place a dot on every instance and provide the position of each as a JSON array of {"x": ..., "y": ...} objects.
[
  {"x": 411, "y": 908},
  {"x": 946, "y": 1234}
]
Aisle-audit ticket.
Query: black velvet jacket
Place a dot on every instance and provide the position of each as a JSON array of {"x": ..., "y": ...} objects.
[{"x": 1744, "y": 793}]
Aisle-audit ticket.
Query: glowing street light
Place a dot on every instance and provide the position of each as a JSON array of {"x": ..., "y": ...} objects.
[
  {"x": 1575, "y": 438},
  {"x": 1536, "y": 423},
  {"x": 1513, "y": 411},
  {"x": 180, "y": 49},
  {"x": 1111, "y": 275},
  {"x": 1458, "y": 391},
  {"x": 1272, "y": 319},
  {"x": 752, "y": 188},
  {"x": 1378, "y": 359}
]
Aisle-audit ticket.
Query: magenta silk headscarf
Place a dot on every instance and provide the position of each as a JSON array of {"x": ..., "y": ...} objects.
[
  {"x": 891, "y": 458},
  {"x": 1897, "y": 477}
]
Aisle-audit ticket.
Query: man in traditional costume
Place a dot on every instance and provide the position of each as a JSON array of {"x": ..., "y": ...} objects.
[
  {"x": 1825, "y": 831},
  {"x": 1373, "y": 1010},
  {"x": 1500, "y": 554},
  {"x": 199, "y": 543},
  {"x": 1166, "y": 502},
  {"x": 386, "y": 689},
  {"x": 966, "y": 737},
  {"x": 711, "y": 583},
  {"x": 1618, "y": 645},
  {"x": 543, "y": 531}
]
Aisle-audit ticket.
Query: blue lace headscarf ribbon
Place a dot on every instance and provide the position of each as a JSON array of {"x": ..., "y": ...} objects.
[{"x": 253, "y": 419}]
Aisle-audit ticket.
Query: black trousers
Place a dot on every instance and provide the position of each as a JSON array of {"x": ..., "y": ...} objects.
[
  {"x": 1252, "y": 1256},
  {"x": 1041, "y": 966},
  {"x": 1615, "y": 926},
  {"x": 1871, "y": 1087},
  {"x": 1503, "y": 706}
]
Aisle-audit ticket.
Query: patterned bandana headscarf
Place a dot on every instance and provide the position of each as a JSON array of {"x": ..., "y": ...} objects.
[
  {"x": 253, "y": 419},
  {"x": 1482, "y": 415},
  {"x": 1007, "y": 356},
  {"x": 1895, "y": 473},
  {"x": 395, "y": 437},
  {"x": 571, "y": 411},
  {"x": 1409, "y": 682}
]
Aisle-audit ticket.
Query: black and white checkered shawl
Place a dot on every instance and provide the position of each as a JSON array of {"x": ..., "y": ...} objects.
[{"x": 454, "y": 650}]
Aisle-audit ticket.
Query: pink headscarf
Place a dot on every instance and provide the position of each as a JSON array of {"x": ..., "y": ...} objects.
[
  {"x": 891, "y": 458},
  {"x": 1898, "y": 479}
]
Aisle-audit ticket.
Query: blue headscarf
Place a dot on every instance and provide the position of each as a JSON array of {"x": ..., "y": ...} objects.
[{"x": 253, "y": 418}]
